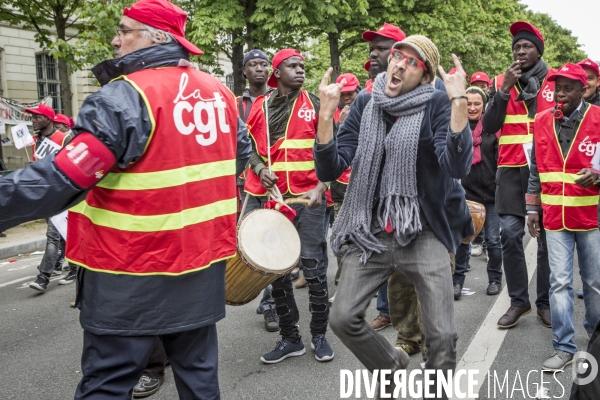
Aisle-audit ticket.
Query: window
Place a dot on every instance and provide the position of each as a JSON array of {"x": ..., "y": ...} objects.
[
  {"x": 48, "y": 81},
  {"x": 229, "y": 82}
]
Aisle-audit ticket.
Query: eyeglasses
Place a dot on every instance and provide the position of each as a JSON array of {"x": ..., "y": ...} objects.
[
  {"x": 411, "y": 62},
  {"x": 123, "y": 32}
]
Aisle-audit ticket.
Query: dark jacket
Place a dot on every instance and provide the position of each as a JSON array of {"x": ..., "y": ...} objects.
[
  {"x": 511, "y": 182},
  {"x": 443, "y": 157},
  {"x": 121, "y": 304},
  {"x": 480, "y": 184}
]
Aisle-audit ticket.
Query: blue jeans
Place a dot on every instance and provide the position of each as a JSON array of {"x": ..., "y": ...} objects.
[
  {"x": 382, "y": 301},
  {"x": 561, "y": 248},
  {"x": 491, "y": 230}
]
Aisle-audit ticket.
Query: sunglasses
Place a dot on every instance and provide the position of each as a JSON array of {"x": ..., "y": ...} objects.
[{"x": 411, "y": 62}]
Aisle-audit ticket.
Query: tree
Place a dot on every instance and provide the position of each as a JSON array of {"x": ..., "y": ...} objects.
[
  {"x": 41, "y": 15},
  {"x": 228, "y": 27}
]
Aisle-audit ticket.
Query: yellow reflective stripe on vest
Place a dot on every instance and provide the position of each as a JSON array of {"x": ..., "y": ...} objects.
[
  {"x": 515, "y": 139},
  {"x": 168, "y": 178},
  {"x": 298, "y": 144},
  {"x": 569, "y": 201},
  {"x": 155, "y": 223},
  {"x": 518, "y": 119},
  {"x": 293, "y": 166},
  {"x": 562, "y": 177}
]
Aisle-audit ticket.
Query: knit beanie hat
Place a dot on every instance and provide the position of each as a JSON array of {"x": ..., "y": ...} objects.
[
  {"x": 532, "y": 37},
  {"x": 475, "y": 89},
  {"x": 428, "y": 52}
]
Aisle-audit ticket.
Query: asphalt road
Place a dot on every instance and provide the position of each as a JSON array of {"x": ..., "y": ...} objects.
[{"x": 40, "y": 345}]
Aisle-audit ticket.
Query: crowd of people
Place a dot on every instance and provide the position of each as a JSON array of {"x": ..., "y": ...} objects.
[{"x": 386, "y": 172}]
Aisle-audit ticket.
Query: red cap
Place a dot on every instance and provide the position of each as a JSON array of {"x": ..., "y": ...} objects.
[
  {"x": 351, "y": 82},
  {"x": 367, "y": 66},
  {"x": 42, "y": 109},
  {"x": 591, "y": 65},
  {"x": 388, "y": 31},
  {"x": 525, "y": 26},
  {"x": 63, "y": 119},
  {"x": 480, "y": 77},
  {"x": 161, "y": 14},
  {"x": 570, "y": 71},
  {"x": 278, "y": 58}
]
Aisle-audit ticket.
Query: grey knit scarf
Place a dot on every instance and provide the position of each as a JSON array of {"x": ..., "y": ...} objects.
[
  {"x": 398, "y": 202},
  {"x": 533, "y": 80}
]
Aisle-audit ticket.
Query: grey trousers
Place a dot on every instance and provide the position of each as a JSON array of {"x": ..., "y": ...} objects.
[{"x": 426, "y": 264}]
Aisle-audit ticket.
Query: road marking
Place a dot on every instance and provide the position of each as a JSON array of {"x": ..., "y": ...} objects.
[
  {"x": 486, "y": 343},
  {"x": 16, "y": 281}
]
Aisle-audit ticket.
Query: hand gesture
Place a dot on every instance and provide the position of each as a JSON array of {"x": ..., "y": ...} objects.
[
  {"x": 267, "y": 178},
  {"x": 511, "y": 76},
  {"x": 344, "y": 114},
  {"x": 533, "y": 224},
  {"x": 329, "y": 95},
  {"x": 588, "y": 178},
  {"x": 315, "y": 195},
  {"x": 456, "y": 84}
]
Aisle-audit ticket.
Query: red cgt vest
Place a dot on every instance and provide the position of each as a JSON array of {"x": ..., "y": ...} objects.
[
  {"x": 518, "y": 127},
  {"x": 291, "y": 156},
  {"x": 565, "y": 204},
  {"x": 57, "y": 137},
  {"x": 173, "y": 211}
]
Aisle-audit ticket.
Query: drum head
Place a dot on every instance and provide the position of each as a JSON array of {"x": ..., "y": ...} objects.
[{"x": 268, "y": 240}]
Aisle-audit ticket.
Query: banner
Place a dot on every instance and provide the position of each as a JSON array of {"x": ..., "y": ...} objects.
[{"x": 13, "y": 113}]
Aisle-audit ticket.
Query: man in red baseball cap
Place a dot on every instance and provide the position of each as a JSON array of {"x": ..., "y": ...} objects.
[
  {"x": 481, "y": 80},
  {"x": 592, "y": 93},
  {"x": 144, "y": 273},
  {"x": 349, "y": 92},
  {"x": 290, "y": 113},
  {"x": 62, "y": 123},
  {"x": 381, "y": 41},
  {"x": 516, "y": 97},
  {"x": 563, "y": 186}
]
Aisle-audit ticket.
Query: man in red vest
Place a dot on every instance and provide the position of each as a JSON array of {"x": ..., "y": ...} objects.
[
  {"x": 515, "y": 98},
  {"x": 292, "y": 122},
  {"x": 562, "y": 182},
  {"x": 42, "y": 121},
  {"x": 149, "y": 180}
]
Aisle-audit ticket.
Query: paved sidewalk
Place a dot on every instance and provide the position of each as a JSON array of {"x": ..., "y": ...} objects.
[{"x": 23, "y": 239}]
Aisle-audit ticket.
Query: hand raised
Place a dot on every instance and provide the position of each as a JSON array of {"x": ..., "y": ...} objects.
[
  {"x": 329, "y": 95},
  {"x": 456, "y": 84}
]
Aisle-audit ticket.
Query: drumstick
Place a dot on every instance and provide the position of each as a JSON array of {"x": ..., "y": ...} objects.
[{"x": 294, "y": 200}]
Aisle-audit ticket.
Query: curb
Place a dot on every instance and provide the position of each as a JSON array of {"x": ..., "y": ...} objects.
[{"x": 13, "y": 250}]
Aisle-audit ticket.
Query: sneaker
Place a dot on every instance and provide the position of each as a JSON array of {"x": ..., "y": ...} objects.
[
  {"x": 323, "y": 351},
  {"x": 301, "y": 283},
  {"x": 558, "y": 361},
  {"x": 70, "y": 278},
  {"x": 2, "y": 234},
  {"x": 284, "y": 349},
  {"x": 580, "y": 293},
  {"x": 146, "y": 386},
  {"x": 476, "y": 250},
  {"x": 57, "y": 272},
  {"x": 40, "y": 284},
  {"x": 380, "y": 322},
  {"x": 72, "y": 303},
  {"x": 271, "y": 320}
]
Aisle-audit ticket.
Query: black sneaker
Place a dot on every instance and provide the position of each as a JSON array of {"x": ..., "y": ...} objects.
[
  {"x": 271, "y": 320},
  {"x": 40, "y": 284},
  {"x": 2, "y": 234},
  {"x": 323, "y": 351},
  {"x": 284, "y": 349},
  {"x": 57, "y": 272},
  {"x": 146, "y": 386},
  {"x": 70, "y": 278}
]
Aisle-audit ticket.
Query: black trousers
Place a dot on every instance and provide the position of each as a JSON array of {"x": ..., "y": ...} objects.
[
  {"x": 156, "y": 363},
  {"x": 112, "y": 365}
]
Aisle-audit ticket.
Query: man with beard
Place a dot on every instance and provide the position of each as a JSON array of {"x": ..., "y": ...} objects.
[{"x": 516, "y": 97}]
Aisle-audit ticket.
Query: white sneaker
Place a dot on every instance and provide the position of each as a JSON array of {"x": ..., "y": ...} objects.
[
  {"x": 476, "y": 250},
  {"x": 332, "y": 298}
]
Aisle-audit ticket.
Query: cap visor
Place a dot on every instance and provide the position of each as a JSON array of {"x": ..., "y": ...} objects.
[
  {"x": 186, "y": 44},
  {"x": 368, "y": 35},
  {"x": 350, "y": 88}
]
